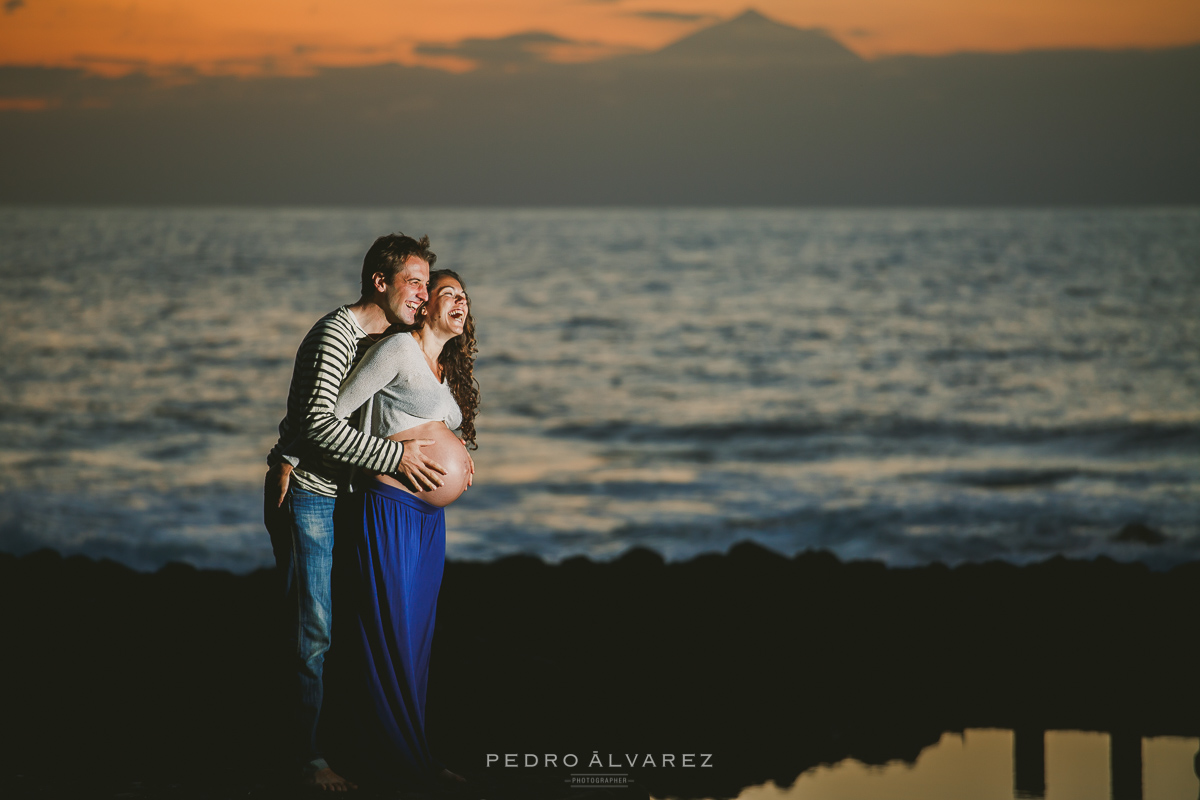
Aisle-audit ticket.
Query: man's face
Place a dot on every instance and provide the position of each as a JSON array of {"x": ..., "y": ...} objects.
[{"x": 407, "y": 291}]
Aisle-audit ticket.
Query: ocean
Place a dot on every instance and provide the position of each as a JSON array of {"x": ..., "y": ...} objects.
[{"x": 904, "y": 385}]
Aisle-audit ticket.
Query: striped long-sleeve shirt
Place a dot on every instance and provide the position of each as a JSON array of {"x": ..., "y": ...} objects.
[{"x": 324, "y": 444}]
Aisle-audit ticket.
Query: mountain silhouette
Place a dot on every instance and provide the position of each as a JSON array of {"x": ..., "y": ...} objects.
[{"x": 752, "y": 41}]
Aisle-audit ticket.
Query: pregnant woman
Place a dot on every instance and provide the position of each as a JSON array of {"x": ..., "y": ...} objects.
[{"x": 392, "y": 536}]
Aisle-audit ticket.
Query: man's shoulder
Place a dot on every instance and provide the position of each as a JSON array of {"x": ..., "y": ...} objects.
[
  {"x": 340, "y": 318},
  {"x": 337, "y": 324}
]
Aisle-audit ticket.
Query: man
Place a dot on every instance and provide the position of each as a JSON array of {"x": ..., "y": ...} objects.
[{"x": 315, "y": 449}]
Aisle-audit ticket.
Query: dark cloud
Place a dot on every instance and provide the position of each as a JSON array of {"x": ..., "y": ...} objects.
[
  {"x": 520, "y": 49},
  {"x": 131, "y": 64},
  {"x": 860, "y": 33},
  {"x": 12, "y": 5},
  {"x": 672, "y": 16}
]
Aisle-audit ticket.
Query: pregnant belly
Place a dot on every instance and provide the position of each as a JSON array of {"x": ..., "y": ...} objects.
[{"x": 447, "y": 451}]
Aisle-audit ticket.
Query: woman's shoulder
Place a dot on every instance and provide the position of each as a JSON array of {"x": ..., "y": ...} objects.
[{"x": 398, "y": 343}]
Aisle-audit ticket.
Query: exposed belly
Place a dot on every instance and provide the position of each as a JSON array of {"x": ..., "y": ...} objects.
[{"x": 447, "y": 451}]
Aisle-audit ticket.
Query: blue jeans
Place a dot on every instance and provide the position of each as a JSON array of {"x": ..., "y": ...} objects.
[{"x": 302, "y": 539}]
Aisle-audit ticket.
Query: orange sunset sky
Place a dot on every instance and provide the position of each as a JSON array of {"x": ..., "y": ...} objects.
[{"x": 295, "y": 36}]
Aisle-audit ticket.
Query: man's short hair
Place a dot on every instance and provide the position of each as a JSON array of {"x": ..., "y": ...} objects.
[{"x": 387, "y": 256}]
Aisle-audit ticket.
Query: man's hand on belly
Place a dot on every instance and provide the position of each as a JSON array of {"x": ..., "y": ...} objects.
[{"x": 421, "y": 472}]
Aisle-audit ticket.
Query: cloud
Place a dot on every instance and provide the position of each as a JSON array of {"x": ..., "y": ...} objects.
[
  {"x": 520, "y": 49},
  {"x": 672, "y": 16},
  {"x": 860, "y": 33},
  {"x": 12, "y": 5},
  {"x": 27, "y": 103}
]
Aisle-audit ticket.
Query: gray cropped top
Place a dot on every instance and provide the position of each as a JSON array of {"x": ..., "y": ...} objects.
[{"x": 398, "y": 388}]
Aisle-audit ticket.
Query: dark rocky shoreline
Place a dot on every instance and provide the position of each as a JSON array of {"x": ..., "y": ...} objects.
[{"x": 121, "y": 683}]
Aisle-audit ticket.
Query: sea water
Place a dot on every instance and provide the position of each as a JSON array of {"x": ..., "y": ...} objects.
[{"x": 904, "y": 385}]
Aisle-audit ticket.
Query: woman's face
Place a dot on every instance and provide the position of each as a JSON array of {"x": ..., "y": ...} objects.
[{"x": 447, "y": 307}]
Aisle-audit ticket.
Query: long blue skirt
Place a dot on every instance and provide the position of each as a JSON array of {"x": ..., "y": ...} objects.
[{"x": 392, "y": 551}]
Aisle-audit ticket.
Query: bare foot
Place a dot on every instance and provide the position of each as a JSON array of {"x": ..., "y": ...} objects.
[
  {"x": 450, "y": 777},
  {"x": 326, "y": 780}
]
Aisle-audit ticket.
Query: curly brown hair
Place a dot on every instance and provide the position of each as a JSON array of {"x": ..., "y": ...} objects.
[{"x": 458, "y": 362}]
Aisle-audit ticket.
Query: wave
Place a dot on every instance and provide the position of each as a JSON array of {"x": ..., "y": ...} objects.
[
  {"x": 1115, "y": 436},
  {"x": 1019, "y": 533},
  {"x": 1015, "y": 478}
]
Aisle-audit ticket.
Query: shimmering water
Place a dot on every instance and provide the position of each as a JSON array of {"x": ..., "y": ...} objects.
[
  {"x": 979, "y": 764},
  {"x": 904, "y": 385}
]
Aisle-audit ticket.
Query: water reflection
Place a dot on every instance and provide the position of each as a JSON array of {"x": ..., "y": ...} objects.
[{"x": 999, "y": 765}]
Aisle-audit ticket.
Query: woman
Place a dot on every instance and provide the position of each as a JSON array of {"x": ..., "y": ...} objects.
[{"x": 392, "y": 536}]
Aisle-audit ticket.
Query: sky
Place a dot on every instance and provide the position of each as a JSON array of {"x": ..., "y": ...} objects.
[
  {"x": 170, "y": 102},
  {"x": 249, "y": 37}
]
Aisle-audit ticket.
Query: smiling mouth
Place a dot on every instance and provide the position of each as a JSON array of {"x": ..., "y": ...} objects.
[{"x": 458, "y": 314}]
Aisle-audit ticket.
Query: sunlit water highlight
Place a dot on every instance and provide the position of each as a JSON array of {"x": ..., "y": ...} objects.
[
  {"x": 905, "y": 385},
  {"x": 978, "y": 764}
]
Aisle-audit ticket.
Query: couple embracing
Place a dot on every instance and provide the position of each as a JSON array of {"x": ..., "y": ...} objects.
[{"x": 389, "y": 476}]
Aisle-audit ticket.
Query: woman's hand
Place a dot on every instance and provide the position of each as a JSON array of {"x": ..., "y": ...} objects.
[
  {"x": 421, "y": 472},
  {"x": 471, "y": 474},
  {"x": 278, "y": 478}
]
